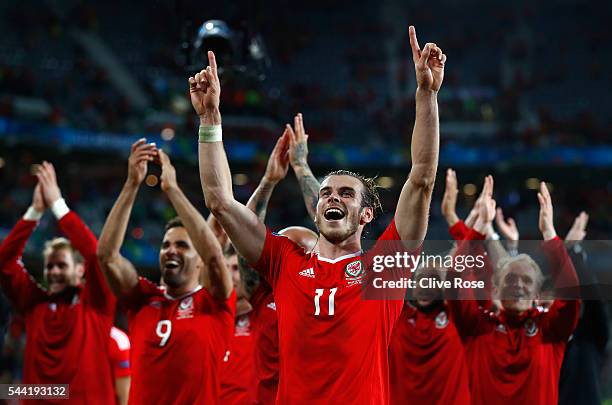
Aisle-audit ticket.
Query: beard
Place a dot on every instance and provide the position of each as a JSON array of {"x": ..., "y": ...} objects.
[
  {"x": 173, "y": 279},
  {"x": 338, "y": 235}
]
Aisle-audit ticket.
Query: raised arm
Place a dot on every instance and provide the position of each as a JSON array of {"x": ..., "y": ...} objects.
[
  {"x": 412, "y": 213},
  {"x": 119, "y": 272},
  {"x": 202, "y": 236},
  {"x": 509, "y": 230},
  {"x": 81, "y": 237},
  {"x": 449, "y": 199},
  {"x": 276, "y": 170},
  {"x": 243, "y": 227},
  {"x": 18, "y": 286},
  {"x": 298, "y": 156},
  {"x": 562, "y": 316}
]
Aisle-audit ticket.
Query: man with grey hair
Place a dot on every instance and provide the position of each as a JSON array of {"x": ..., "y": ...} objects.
[{"x": 514, "y": 355}]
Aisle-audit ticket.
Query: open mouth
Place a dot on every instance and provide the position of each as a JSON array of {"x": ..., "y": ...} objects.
[
  {"x": 171, "y": 264},
  {"x": 333, "y": 214}
]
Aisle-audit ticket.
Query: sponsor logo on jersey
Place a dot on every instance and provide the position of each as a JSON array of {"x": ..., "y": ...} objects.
[
  {"x": 309, "y": 272},
  {"x": 531, "y": 328},
  {"x": 185, "y": 309},
  {"x": 442, "y": 320},
  {"x": 272, "y": 306}
]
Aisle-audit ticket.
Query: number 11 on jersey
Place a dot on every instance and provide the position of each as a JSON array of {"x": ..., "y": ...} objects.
[{"x": 331, "y": 301}]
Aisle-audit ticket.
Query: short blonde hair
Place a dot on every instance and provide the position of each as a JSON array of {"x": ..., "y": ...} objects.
[
  {"x": 523, "y": 257},
  {"x": 61, "y": 243}
]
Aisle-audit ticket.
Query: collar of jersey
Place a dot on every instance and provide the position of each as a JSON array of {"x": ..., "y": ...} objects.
[
  {"x": 337, "y": 259},
  {"x": 195, "y": 290}
]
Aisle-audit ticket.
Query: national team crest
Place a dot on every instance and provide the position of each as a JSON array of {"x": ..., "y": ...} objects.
[
  {"x": 354, "y": 273},
  {"x": 531, "y": 328},
  {"x": 501, "y": 328},
  {"x": 354, "y": 269},
  {"x": 442, "y": 320},
  {"x": 242, "y": 326},
  {"x": 185, "y": 309},
  {"x": 186, "y": 303}
]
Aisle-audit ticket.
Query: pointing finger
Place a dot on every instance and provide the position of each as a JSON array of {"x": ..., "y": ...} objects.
[
  {"x": 212, "y": 62},
  {"x": 414, "y": 44}
]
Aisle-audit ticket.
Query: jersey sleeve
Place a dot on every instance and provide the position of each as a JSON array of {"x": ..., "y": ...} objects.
[
  {"x": 389, "y": 244},
  {"x": 562, "y": 317},
  {"x": 120, "y": 353},
  {"x": 459, "y": 231},
  {"x": 139, "y": 295},
  {"x": 18, "y": 285},
  {"x": 97, "y": 291},
  {"x": 467, "y": 312},
  {"x": 227, "y": 306},
  {"x": 277, "y": 250}
]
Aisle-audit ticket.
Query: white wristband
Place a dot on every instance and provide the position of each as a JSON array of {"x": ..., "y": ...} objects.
[
  {"x": 59, "y": 208},
  {"x": 32, "y": 214},
  {"x": 210, "y": 133},
  {"x": 494, "y": 236}
]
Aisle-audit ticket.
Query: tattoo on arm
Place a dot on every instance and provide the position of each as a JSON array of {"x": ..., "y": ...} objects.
[
  {"x": 258, "y": 203},
  {"x": 310, "y": 190},
  {"x": 248, "y": 275}
]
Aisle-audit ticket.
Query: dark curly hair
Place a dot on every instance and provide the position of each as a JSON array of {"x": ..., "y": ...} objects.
[
  {"x": 174, "y": 223},
  {"x": 369, "y": 195}
]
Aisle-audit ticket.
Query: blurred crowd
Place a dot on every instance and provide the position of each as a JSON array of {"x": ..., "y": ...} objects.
[{"x": 349, "y": 72}]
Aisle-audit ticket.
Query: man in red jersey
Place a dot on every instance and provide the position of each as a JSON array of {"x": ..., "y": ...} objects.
[
  {"x": 238, "y": 368},
  {"x": 426, "y": 356},
  {"x": 333, "y": 344},
  {"x": 119, "y": 353},
  {"x": 67, "y": 324},
  {"x": 255, "y": 345},
  {"x": 514, "y": 356},
  {"x": 179, "y": 333}
]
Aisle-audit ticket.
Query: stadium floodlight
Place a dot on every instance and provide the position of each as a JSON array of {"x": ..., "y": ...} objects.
[
  {"x": 216, "y": 36},
  {"x": 241, "y": 53}
]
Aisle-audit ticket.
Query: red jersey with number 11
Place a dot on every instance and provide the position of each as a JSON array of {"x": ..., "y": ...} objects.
[{"x": 333, "y": 343}]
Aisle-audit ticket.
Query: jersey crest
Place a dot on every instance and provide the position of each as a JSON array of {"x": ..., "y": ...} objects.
[
  {"x": 354, "y": 273},
  {"x": 442, "y": 320},
  {"x": 185, "y": 309},
  {"x": 531, "y": 328},
  {"x": 243, "y": 326}
]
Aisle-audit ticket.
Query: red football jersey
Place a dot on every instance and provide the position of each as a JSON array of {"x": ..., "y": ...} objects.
[
  {"x": 66, "y": 334},
  {"x": 238, "y": 368},
  {"x": 265, "y": 343},
  {"x": 119, "y": 353},
  {"x": 517, "y": 360},
  {"x": 178, "y": 344},
  {"x": 333, "y": 344},
  {"x": 426, "y": 360}
]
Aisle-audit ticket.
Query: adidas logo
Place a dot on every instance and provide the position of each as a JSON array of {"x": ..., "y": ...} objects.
[{"x": 308, "y": 273}]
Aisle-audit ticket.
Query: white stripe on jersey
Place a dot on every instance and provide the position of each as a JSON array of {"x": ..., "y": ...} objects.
[{"x": 122, "y": 340}]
